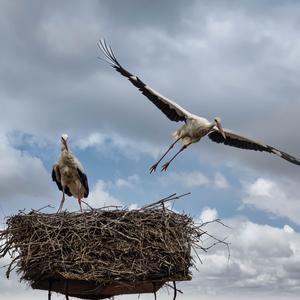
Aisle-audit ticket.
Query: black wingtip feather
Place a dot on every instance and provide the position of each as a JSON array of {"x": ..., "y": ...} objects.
[
  {"x": 111, "y": 58},
  {"x": 285, "y": 156},
  {"x": 112, "y": 61},
  {"x": 217, "y": 137}
]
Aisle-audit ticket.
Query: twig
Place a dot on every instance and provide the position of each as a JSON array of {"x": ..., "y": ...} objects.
[
  {"x": 36, "y": 211},
  {"x": 215, "y": 221},
  {"x": 90, "y": 207},
  {"x": 172, "y": 287},
  {"x": 166, "y": 199}
]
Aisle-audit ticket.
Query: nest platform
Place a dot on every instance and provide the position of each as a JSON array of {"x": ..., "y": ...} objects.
[{"x": 101, "y": 253}]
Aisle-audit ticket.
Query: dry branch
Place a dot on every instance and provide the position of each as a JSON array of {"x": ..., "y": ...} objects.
[{"x": 103, "y": 247}]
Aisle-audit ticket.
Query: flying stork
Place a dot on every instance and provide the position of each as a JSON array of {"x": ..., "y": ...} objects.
[
  {"x": 194, "y": 127},
  {"x": 68, "y": 173}
]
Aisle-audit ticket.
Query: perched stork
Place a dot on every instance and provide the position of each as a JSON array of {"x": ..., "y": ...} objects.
[
  {"x": 195, "y": 127},
  {"x": 68, "y": 173}
]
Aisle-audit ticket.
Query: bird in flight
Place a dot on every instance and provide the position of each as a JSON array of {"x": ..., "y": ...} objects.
[
  {"x": 68, "y": 173},
  {"x": 194, "y": 127}
]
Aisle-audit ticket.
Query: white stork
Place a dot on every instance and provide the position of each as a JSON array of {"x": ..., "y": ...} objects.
[
  {"x": 68, "y": 173},
  {"x": 195, "y": 127}
]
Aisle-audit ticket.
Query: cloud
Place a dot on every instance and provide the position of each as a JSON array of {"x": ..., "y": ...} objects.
[
  {"x": 288, "y": 229},
  {"x": 237, "y": 60},
  {"x": 130, "y": 182},
  {"x": 100, "y": 196},
  {"x": 133, "y": 206},
  {"x": 209, "y": 59},
  {"x": 220, "y": 181},
  {"x": 280, "y": 198},
  {"x": 21, "y": 175},
  {"x": 195, "y": 179},
  {"x": 105, "y": 142},
  {"x": 263, "y": 261},
  {"x": 208, "y": 214},
  {"x": 191, "y": 179}
]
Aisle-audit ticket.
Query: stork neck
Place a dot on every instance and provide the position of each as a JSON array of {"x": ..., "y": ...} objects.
[{"x": 212, "y": 125}]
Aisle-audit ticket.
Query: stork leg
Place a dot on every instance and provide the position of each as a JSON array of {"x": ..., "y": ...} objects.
[
  {"x": 153, "y": 168},
  {"x": 61, "y": 202},
  {"x": 78, "y": 197},
  {"x": 79, "y": 202},
  {"x": 165, "y": 166}
]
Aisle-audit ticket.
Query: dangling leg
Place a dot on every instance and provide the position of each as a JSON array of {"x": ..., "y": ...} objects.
[
  {"x": 79, "y": 202},
  {"x": 165, "y": 166},
  {"x": 153, "y": 168},
  {"x": 61, "y": 202}
]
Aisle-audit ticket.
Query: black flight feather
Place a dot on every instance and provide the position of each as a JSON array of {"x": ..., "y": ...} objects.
[
  {"x": 235, "y": 140},
  {"x": 156, "y": 99},
  {"x": 58, "y": 183},
  {"x": 84, "y": 182}
]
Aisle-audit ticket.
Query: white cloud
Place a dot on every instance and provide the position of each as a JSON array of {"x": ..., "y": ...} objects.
[
  {"x": 128, "y": 147},
  {"x": 288, "y": 229},
  {"x": 264, "y": 260},
  {"x": 92, "y": 140},
  {"x": 220, "y": 181},
  {"x": 280, "y": 198},
  {"x": 191, "y": 179},
  {"x": 195, "y": 179},
  {"x": 100, "y": 196},
  {"x": 129, "y": 182},
  {"x": 133, "y": 206},
  {"x": 208, "y": 214},
  {"x": 21, "y": 174}
]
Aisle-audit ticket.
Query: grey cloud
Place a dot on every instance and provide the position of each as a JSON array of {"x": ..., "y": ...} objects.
[
  {"x": 223, "y": 59},
  {"x": 21, "y": 175}
]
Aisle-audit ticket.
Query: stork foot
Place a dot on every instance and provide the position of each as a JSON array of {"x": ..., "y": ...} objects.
[
  {"x": 165, "y": 166},
  {"x": 61, "y": 205},
  {"x": 153, "y": 168}
]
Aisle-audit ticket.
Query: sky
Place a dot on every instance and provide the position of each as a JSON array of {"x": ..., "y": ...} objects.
[{"x": 238, "y": 60}]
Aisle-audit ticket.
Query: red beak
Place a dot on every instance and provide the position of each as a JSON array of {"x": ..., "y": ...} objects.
[{"x": 65, "y": 143}]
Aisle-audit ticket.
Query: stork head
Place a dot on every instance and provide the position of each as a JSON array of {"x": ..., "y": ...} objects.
[
  {"x": 217, "y": 121},
  {"x": 64, "y": 141}
]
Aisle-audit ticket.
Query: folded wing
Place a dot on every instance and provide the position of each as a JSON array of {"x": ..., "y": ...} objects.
[
  {"x": 57, "y": 178},
  {"x": 84, "y": 182}
]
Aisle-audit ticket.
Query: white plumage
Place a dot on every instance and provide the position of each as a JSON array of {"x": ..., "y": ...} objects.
[
  {"x": 68, "y": 173},
  {"x": 195, "y": 127}
]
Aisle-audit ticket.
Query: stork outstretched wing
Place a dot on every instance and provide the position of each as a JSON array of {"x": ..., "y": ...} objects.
[
  {"x": 239, "y": 141},
  {"x": 171, "y": 109}
]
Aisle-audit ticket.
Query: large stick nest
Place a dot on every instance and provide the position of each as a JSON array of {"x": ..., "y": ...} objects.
[{"x": 103, "y": 246}]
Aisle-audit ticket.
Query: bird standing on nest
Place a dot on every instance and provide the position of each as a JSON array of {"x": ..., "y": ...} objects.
[{"x": 68, "y": 173}]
